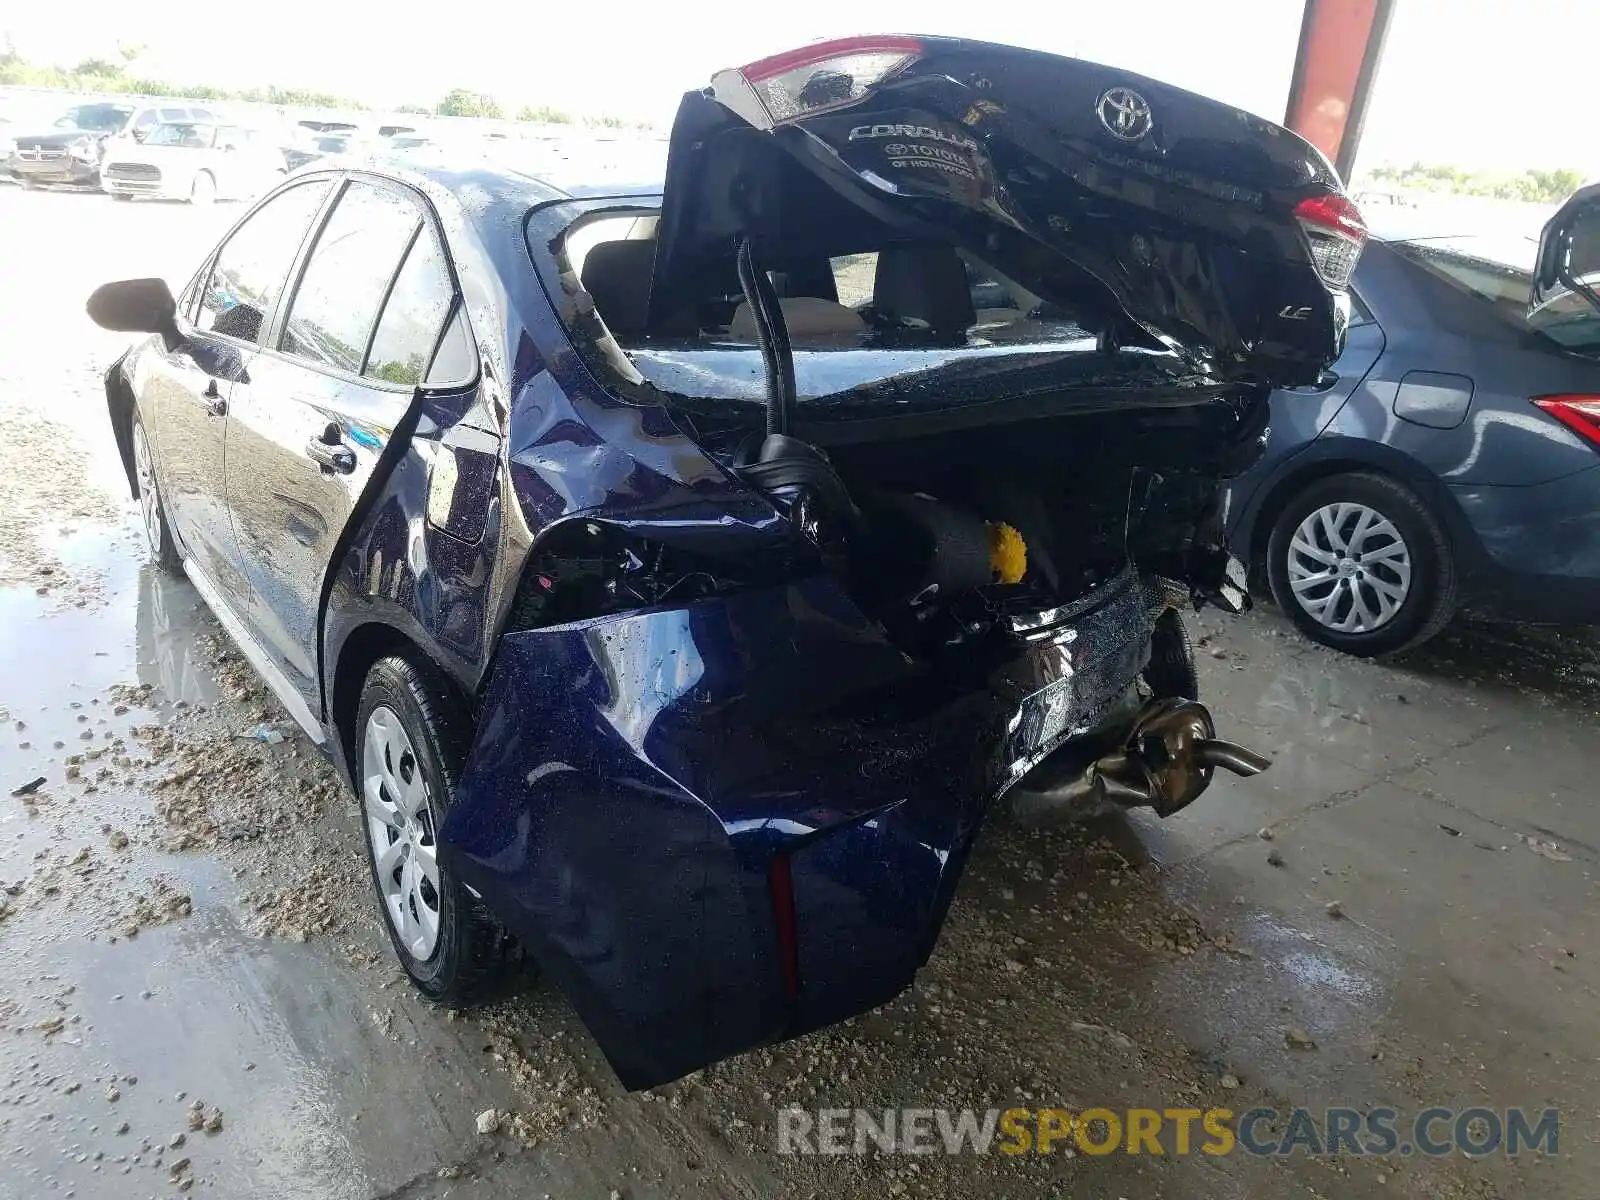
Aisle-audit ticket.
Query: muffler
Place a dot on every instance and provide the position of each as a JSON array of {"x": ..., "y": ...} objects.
[{"x": 1164, "y": 758}]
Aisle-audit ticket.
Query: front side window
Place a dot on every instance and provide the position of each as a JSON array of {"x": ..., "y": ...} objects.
[
  {"x": 333, "y": 312},
  {"x": 413, "y": 316},
  {"x": 252, "y": 265}
]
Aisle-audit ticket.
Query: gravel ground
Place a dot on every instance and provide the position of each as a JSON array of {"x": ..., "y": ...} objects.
[{"x": 196, "y": 992}]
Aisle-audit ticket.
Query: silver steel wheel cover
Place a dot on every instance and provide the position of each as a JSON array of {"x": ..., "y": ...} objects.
[
  {"x": 400, "y": 824},
  {"x": 149, "y": 500},
  {"x": 1349, "y": 568}
]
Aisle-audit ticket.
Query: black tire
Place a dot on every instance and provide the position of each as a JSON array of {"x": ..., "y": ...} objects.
[
  {"x": 157, "y": 528},
  {"x": 121, "y": 196},
  {"x": 473, "y": 953},
  {"x": 1431, "y": 598},
  {"x": 203, "y": 190}
]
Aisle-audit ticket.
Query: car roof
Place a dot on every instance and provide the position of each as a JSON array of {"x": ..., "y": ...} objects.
[{"x": 535, "y": 172}]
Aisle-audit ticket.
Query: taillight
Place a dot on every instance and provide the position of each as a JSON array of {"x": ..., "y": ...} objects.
[
  {"x": 813, "y": 79},
  {"x": 1581, "y": 414},
  {"x": 1336, "y": 234}
]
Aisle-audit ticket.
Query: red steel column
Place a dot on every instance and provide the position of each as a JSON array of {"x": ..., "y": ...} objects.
[{"x": 1340, "y": 44}]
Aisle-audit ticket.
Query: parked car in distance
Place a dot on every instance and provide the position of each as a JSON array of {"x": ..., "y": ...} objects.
[
  {"x": 680, "y": 609},
  {"x": 8, "y": 144},
  {"x": 194, "y": 161},
  {"x": 1447, "y": 460},
  {"x": 69, "y": 154}
]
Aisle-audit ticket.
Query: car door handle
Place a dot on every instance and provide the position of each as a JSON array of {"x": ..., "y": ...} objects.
[
  {"x": 212, "y": 399},
  {"x": 330, "y": 453}
]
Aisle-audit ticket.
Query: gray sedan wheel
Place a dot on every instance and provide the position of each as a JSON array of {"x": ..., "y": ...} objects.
[
  {"x": 1349, "y": 568},
  {"x": 1359, "y": 563}
]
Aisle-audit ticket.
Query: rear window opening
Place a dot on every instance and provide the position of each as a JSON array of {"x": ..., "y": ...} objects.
[
  {"x": 907, "y": 293},
  {"x": 867, "y": 326}
]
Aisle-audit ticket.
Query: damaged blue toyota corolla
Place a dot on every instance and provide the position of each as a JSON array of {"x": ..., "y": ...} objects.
[{"x": 681, "y": 573}]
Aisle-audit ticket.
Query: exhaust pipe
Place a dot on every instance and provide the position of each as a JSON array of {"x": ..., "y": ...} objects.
[{"x": 1166, "y": 758}]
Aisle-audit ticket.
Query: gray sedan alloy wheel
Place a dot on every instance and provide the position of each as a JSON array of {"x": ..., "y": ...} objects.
[
  {"x": 1349, "y": 567},
  {"x": 1360, "y": 562}
]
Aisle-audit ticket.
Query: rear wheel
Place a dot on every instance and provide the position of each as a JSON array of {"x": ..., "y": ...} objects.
[
  {"x": 203, "y": 190},
  {"x": 409, "y": 747},
  {"x": 121, "y": 196},
  {"x": 1360, "y": 564},
  {"x": 152, "y": 512}
]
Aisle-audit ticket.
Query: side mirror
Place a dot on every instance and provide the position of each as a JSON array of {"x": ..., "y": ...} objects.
[
  {"x": 136, "y": 306},
  {"x": 139, "y": 135}
]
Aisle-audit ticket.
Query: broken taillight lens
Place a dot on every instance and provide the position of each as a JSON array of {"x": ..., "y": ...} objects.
[
  {"x": 1581, "y": 414},
  {"x": 813, "y": 79},
  {"x": 1336, "y": 235}
]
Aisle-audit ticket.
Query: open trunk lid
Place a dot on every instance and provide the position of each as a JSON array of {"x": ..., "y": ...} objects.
[{"x": 1145, "y": 210}]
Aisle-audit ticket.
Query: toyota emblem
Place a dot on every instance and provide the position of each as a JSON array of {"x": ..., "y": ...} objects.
[{"x": 1124, "y": 113}]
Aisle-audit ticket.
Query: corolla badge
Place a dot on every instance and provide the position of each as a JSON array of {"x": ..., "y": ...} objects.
[{"x": 1125, "y": 113}]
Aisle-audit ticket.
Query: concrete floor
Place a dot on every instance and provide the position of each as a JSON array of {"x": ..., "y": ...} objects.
[{"x": 1443, "y": 801}]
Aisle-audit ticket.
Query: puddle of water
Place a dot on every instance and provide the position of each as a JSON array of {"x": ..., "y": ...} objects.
[{"x": 1319, "y": 970}]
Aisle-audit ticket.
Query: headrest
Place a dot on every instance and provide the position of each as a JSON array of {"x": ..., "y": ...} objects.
[
  {"x": 617, "y": 275},
  {"x": 924, "y": 283}
]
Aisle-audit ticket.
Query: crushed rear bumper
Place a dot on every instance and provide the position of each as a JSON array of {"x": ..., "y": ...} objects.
[{"x": 635, "y": 778}]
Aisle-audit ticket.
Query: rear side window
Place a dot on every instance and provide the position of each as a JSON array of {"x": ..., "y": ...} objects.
[
  {"x": 412, "y": 317},
  {"x": 1499, "y": 271},
  {"x": 457, "y": 359},
  {"x": 249, "y": 273},
  {"x": 332, "y": 315}
]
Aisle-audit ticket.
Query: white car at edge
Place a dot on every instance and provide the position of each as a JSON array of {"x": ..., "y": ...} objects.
[{"x": 197, "y": 161}]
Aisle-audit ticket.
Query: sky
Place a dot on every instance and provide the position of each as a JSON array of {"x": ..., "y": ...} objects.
[{"x": 1468, "y": 82}]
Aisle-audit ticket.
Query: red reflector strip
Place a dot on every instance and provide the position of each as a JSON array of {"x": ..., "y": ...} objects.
[
  {"x": 1581, "y": 414},
  {"x": 805, "y": 56},
  {"x": 782, "y": 885}
]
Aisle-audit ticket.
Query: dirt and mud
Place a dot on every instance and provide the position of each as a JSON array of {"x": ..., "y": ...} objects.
[{"x": 197, "y": 994}]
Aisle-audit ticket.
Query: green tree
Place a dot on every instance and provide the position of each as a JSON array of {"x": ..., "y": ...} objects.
[
  {"x": 544, "y": 114},
  {"x": 421, "y": 110},
  {"x": 96, "y": 66},
  {"x": 460, "y": 102}
]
